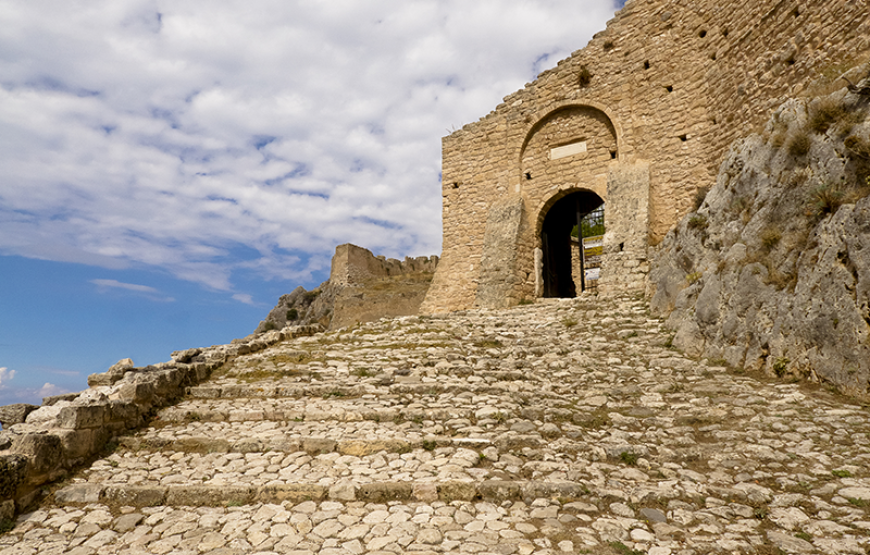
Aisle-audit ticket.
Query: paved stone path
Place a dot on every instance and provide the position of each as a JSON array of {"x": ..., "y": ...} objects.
[{"x": 560, "y": 427}]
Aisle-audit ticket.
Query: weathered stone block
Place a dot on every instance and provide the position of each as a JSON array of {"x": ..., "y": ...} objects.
[
  {"x": 185, "y": 355},
  {"x": 500, "y": 490},
  {"x": 210, "y": 496},
  {"x": 12, "y": 469},
  {"x": 44, "y": 454},
  {"x": 79, "y": 493},
  {"x": 7, "y": 510},
  {"x": 137, "y": 392},
  {"x": 81, "y": 443},
  {"x": 457, "y": 491},
  {"x": 317, "y": 446},
  {"x": 294, "y": 493},
  {"x": 536, "y": 490},
  {"x": 135, "y": 496},
  {"x": 343, "y": 492},
  {"x": 497, "y": 277},
  {"x": 15, "y": 414},
  {"x": 54, "y": 399},
  {"x": 80, "y": 417},
  {"x": 385, "y": 491}
]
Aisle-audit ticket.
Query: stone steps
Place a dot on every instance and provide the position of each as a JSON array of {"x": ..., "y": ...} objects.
[
  {"x": 222, "y": 495},
  {"x": 562, "y": 427}
]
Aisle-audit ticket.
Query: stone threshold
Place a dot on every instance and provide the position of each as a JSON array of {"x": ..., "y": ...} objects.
[{"x": 206, "y": 495}]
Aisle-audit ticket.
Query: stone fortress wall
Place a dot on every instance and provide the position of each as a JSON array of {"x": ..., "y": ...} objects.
[
  {"x": 642, "y": 117},
  {"x": 353, "y": 265}
]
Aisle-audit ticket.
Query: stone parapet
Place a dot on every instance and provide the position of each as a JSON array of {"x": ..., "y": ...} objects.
[
  {"x": 39, "y": 445},
  {"x": 353, "y": 265}
]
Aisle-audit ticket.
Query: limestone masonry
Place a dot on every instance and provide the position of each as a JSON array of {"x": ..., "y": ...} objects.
[
  {"x": 509, "y": 432},
  {"x": 568, "y": 426},
  {"x": 361, "y": 287},
  {"x": 639, "y": 118}
]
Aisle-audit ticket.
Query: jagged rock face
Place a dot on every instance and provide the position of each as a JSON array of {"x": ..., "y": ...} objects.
[
  {"x": 301, "y": 307},
  {"x": 773, "y": 270}
]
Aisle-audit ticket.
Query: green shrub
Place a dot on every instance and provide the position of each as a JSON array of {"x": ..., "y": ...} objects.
[
  {"x": 623, "y": 549},
  {"x": 269, "y": 326},
  {"x": 309, "y": 296},
  {"x": 698, "y": 221},
  {"x": 292, "y": 314},
  {"x": 780, "y": 365}
]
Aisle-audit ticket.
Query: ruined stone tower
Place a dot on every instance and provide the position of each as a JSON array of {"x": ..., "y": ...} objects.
[{"x": 639, "y": 120}]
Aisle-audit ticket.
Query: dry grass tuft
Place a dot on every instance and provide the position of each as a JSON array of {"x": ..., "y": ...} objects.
[
  {"x": 799, "y": 143},
  {"x": 824, "y": 113}
]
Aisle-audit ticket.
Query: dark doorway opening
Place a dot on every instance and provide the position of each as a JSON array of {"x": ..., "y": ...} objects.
[{"x": 581, "y": 212}]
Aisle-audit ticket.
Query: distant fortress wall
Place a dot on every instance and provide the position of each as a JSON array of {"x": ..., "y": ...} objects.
[
  {"x": 640, "y": 118},
  {"x": 353, "y": 265}
]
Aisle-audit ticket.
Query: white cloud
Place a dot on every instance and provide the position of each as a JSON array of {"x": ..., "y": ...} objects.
[
  {"x": 211, "y": 138},
  {"x": 120, "y": 285},
  {"x": 32, "y": 395},
  {"x": 145, "y": 290},
  {"x": 243, "y": 298},
  {"x": 49, "y": 389},
  {"x": 6, "y": 375}
]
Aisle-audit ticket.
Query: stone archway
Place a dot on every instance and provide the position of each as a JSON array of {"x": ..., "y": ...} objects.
[{"x": 561, "y": 273}]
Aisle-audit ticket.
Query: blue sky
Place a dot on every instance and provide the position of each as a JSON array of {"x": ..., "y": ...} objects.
[{"x": 169, "y": 169}]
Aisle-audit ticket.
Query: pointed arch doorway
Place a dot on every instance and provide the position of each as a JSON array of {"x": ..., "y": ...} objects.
[{"x": 570, "y": 220}]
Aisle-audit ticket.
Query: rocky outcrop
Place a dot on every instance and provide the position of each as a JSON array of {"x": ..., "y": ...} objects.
[
  {"x": 772, "y": 271},
  {"x": 362, "y": 287},
  {"x": 301, "y": 307}
]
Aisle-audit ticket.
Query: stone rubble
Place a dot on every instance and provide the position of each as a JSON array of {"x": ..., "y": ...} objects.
[{"x": 560, "y": 427}]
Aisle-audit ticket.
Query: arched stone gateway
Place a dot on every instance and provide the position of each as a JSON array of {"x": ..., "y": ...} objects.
[
  {"x": 562, "y": 271},
  {"x": 568, "y": 163},
  {"x": 642, "y": 117}
]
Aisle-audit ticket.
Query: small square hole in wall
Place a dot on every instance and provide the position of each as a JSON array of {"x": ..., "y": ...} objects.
[
  {"x": 621, "y": 246},
  {"x": 613, "y": 155},
  {"x": 684, "y": 138},
  {"x": 669, "y": 88},
  {"x": 528, "y": 176},
  {"x": 724, "y": 32},
  {"x": 456, "y": 185},
  {"x": 646, "y": 64},
  {"x": 702, "y": 34}
]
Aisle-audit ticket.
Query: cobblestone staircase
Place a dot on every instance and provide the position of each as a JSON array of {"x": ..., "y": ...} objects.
[{"x": 559, "y": 427}]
